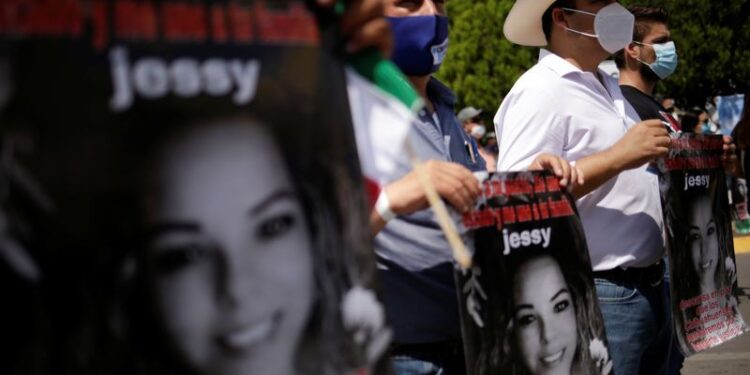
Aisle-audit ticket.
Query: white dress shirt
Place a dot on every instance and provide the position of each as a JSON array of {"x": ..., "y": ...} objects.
[{"x": 557, "y": 108}]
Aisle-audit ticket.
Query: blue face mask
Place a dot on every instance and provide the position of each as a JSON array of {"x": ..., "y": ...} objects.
[
  {"x": 421, "y": 43},
  {"x": 666, "y": 58}
]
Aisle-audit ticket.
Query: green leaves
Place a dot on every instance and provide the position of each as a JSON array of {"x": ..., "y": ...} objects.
[{"x": 482, "y": 65}]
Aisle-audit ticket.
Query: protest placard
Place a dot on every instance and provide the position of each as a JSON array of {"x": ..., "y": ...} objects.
[
  {"x": 181, "y": 192},
  {"x": 699, "y": 234},
  {"x": 528, "y": 304}
]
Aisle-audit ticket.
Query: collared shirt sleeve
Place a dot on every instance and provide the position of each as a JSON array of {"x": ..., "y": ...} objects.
[{"x": 527, "y": 124}]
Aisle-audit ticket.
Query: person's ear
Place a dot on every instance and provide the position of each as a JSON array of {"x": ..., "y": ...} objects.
[
  {"x": 558, "y": 18},
  {"x": 632, "y": 50}
]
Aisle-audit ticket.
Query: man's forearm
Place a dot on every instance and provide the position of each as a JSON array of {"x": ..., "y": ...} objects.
[{"x": 597, "y": 169}]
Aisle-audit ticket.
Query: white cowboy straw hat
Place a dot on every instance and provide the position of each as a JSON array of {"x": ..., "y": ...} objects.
[{"x": 523, "y": 25}]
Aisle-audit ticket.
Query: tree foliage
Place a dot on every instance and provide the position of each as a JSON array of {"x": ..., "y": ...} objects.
[
  {"x": 482, "y": 65},
  {"x": 712, "y": 37}
]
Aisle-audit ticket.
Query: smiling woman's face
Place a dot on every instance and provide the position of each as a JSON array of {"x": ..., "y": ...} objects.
[
  {"x": 544, "y": 317},
  {"x": 230, "y": 251},
  {"x": 703, "y": 241}
]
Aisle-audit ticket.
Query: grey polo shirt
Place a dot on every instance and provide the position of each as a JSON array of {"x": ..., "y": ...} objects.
[{"x": 414, "y": 258}]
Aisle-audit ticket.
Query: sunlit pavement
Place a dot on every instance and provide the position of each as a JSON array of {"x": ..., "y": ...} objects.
[{"x": 733, "y": 357}]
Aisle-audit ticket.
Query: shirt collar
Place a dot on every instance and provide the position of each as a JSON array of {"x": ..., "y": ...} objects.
[
  {"x": 559, "y": 65},
  {"x": 440, "y": 93},
  {"x": 556, "y": 63}
]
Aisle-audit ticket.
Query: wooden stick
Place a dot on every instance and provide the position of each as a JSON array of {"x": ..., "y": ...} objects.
[{"x": 460, "y": 253}]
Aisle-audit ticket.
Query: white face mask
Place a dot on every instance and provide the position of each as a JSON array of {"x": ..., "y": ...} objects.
[
  {"x": 478, "y": 131},
  {"x": 613, "y": 26}
]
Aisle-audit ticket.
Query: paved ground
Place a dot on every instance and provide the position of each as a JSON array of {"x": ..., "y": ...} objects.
[{"x": 733, "y": 357}]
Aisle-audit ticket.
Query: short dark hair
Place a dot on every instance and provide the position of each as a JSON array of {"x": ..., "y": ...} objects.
[
  {"x": 644, "y": 18},
  {"x": 547, "y": 16}
]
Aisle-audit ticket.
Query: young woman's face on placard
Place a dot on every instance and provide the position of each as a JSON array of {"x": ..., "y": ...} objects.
[
  {"x": 703, "y": 240},
  {"x": 230, "y": 250},
  {"x": 544, "y": 317}
]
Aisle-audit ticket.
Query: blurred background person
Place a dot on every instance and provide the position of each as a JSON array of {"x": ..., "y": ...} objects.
[
  {"x": 486, "y": 143},
  {"x": 472, "y": 122},
  {"x": 488, "y": 150}
]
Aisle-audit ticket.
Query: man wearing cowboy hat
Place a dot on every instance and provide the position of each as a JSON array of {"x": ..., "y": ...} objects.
[{"x": 566, "y": 106}]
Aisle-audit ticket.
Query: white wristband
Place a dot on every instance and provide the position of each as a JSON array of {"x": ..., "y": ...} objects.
[{"x": 383, "y": 207}]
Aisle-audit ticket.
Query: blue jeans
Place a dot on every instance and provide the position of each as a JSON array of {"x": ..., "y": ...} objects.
[
  {"x": 429, "y": 360},
  {"x": 676, "y": 358},
  {"x": 404, "y": 365},
  {"x": 639, "y": 331}
]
